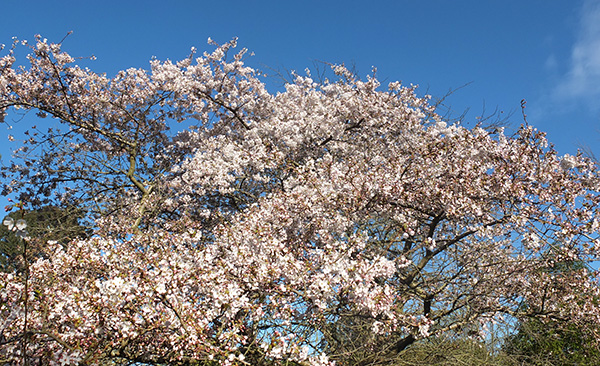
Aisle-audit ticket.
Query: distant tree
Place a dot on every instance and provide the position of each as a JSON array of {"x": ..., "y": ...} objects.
[
  {"x": 11, "y": 249},
  {"x": 330, "y": 222},
  {"x": 49, "y": 223},
  {"x": 449, "y": 352},
  {"x": 553, "y": 343},
  {"x": 556, "y": 342}
]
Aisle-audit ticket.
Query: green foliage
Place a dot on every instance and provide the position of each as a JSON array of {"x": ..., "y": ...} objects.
[
  {"x": 535, "y": 344},
  {"x": 552, "y": 343},
  {"x": 44, "y": 224},
  {"x": 442, "y": 352}
]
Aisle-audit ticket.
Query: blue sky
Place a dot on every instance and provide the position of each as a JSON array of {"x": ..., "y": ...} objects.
[{"x": 544, "y": 51}]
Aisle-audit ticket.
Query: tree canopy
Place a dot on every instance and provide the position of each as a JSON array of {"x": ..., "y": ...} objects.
[{"x": 233, "y": 225}]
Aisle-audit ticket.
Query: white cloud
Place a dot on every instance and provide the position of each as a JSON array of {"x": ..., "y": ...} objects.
[
  {"x": 581, "y": 83},
  {"x": 551, "y": 63}
]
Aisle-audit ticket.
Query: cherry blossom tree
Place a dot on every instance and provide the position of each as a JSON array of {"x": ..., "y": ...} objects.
[{"x": 339, "y": 221}]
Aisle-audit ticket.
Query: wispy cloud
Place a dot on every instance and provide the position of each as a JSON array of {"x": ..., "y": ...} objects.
[{"x": 581, "y": 83}]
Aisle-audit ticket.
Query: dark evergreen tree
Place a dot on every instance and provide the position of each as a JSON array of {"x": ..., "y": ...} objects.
[{"x": 44, "y": 224}]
